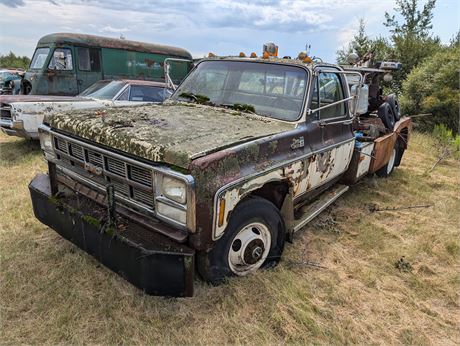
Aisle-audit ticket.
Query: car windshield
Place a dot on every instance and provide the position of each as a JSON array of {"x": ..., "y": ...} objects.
[
  {"x": 273, "y": 90},
  {"x": 39, "y": 58},
  {"x": 104, "y": 90}
]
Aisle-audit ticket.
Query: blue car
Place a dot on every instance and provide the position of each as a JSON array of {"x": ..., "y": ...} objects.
[{"x": 10, "y": 81}]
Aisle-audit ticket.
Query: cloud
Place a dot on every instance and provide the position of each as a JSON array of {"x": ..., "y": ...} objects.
[
  {"x": 109, "y": 28},
  {"x": 12, "y": 3}
]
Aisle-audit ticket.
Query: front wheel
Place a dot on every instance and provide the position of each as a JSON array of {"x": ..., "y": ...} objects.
[{"x": 253, "y": 239}]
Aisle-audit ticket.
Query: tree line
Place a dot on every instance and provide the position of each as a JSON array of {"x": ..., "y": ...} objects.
[
  {"x": 12, "y": 60},
  {"x": 428, "y": 82}
]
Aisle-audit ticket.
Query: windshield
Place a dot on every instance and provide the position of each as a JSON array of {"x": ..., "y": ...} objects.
[
  {"x": 39, "y": 58},
  {"x": 272, "y": 90},
  {"x": 103, "y": 89}
]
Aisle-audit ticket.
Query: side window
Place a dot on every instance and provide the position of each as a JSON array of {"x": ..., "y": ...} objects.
[
  {"x": 327, "y": 90},
  {"x": 83, "y": 59},
  {"x": 88, "y": 59},
  {"x": 124, "y": 96},
  {"x": 61, "y": 60}
]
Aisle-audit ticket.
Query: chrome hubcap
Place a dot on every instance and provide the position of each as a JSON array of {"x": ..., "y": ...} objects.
[{"x": 249, "y": 249}]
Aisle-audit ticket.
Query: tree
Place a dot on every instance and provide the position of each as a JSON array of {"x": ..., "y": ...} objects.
[
  {"x": 416, "y": 23},
  {"x": 12, "y": 60},
  {"x": 433, "y": 87},
  {"x": 411, "y": 39},
  {"x": 363, "y": 44}
]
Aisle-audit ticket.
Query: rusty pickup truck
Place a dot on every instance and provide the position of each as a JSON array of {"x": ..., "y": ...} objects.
[{"x": 246, "y": 153}]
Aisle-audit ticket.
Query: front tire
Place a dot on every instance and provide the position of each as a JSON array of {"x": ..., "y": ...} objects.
[{"x": 254, "y": 239}]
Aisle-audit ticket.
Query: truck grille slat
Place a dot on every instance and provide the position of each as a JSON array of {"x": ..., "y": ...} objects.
[
  {"x": 77, "y": 151},
  {"x": 142, "y": 176},
  {"x": 95, "y": 158},
  {"x": 131, "y": 178},
  {"x": 62, "y": 145},
  {"x": 116, "y": 167},
  {"x": 141, "y": 196}
]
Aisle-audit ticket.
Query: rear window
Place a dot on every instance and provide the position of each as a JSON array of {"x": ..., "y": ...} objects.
[
  {"x": 148, "y": 93},
  {"x": 39, "y": 58},
  {"x": 104, "y": 90}
]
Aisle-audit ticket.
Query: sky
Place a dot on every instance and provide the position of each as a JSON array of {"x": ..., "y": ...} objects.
[{"x": 224, "y": 27}]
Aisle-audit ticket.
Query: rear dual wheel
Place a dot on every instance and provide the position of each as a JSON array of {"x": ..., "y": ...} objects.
[
  {"x": 253, "y": 239},
  {"x": 386, "y": 170}
]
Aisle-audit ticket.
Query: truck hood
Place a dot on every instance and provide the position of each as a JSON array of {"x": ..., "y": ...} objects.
[{"x": 174, "y": 133}]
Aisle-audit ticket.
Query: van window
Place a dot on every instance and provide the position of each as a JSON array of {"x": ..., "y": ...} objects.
[
  {"x": 61, "y": 60},
  {"x": 39, "y": 58},
  {"x": 88, "y": 59},
  {"x": 328, "y": 89}
]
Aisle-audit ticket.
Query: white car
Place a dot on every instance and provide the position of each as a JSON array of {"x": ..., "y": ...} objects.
[{"x": 20, "y": 115}]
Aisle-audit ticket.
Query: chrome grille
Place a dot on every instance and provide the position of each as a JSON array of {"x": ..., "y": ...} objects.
[
  {"x": 131, "y": 181},
  {"x": 5, "y": 111}
]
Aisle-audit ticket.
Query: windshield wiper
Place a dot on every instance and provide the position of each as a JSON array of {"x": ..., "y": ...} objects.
[{"x": 200, "y": 99}]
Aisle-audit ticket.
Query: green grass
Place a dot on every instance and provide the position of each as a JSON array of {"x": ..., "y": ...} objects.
[{"x": 52, "y": 292}]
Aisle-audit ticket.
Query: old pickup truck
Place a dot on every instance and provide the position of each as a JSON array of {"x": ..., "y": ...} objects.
[{"x": 247, "y": 152}]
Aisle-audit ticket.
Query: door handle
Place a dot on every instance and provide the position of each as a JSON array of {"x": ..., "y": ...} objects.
[{"x": 79, "y": 81}]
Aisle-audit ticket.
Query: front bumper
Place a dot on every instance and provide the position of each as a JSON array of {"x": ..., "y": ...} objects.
[
  {"x": 16, "y": 128},
  {"x": 150, "y": 261}
]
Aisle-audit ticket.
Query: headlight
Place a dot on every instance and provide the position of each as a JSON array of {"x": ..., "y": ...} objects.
[
  {"x": 45, "y": 140},
  {"x": 174, "y": 189}
]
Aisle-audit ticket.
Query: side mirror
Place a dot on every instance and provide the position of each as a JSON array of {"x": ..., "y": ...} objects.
[{"x": 167, "y": 68}]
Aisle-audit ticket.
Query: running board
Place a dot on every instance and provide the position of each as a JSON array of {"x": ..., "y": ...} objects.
[{"x": 310, "y": 211}]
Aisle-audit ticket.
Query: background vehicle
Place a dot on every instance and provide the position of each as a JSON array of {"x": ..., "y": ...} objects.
[
  {"x": 10, "y": 81},
  {"x": 22, "y": 114},
  {"x": 66, "y": 64},
  {"x": 246, "y": 153}
]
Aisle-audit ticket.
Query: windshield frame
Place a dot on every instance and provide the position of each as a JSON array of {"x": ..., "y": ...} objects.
[{"x": 308, "y": 73}]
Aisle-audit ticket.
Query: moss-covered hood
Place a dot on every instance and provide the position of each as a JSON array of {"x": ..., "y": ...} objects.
[{"x": 175, "y": 133}]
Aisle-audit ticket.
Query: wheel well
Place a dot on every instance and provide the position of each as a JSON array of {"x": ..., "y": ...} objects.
[
  {"x": 274, "y": 192},
  {"x": 403, "y": 136}
]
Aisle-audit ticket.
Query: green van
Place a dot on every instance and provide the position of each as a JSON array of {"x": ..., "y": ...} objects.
[{"x": 66, "y": 64}]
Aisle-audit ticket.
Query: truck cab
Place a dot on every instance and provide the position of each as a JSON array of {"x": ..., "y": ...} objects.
[{"x": 245, "y": 154}]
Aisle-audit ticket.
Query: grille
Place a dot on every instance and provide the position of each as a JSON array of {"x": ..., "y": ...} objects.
[
  {"x": 131, "y": 181},
  {"x": 5, "y": 111}
]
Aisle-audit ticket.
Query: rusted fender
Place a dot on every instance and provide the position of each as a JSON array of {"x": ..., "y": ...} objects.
[
  {"x": 383, "y": 146},
  {"x": 403, "y": 129}
]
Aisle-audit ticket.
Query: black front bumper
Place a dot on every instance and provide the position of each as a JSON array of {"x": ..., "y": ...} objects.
[{"x": 153, "y": 263}]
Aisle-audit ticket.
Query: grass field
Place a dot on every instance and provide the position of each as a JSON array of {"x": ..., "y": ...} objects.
[{"x": 336, "y": 284}]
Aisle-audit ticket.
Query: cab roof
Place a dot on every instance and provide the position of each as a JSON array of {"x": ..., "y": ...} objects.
[
  {"x": 107, "y": 42},
  {"x": 273, "y": 60}
]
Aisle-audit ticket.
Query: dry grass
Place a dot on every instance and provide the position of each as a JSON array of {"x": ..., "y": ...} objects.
[{"x": 51, "y": 292}]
